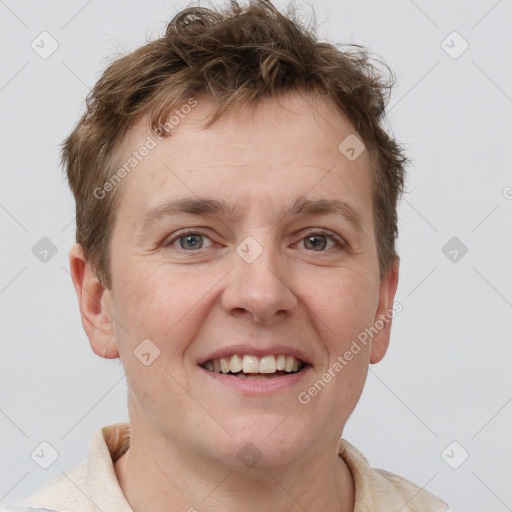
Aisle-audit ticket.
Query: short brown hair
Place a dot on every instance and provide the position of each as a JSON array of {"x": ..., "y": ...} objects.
[{"x": 235, "y": 55}]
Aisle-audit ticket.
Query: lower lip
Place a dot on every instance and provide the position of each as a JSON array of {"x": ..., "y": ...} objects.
[{"x": 264, "y": 386}]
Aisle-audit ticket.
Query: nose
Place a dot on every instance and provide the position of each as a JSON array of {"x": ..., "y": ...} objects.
[{"x": 260, "y": 289}]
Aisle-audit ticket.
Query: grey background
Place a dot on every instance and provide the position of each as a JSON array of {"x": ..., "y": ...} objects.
[{"x": 446, "y": 376}]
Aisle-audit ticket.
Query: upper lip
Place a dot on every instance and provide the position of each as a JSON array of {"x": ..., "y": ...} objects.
[{"x": 259, "y": 351}]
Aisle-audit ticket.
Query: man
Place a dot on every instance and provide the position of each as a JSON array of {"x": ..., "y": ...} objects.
[{"x": 236, "y": 223}]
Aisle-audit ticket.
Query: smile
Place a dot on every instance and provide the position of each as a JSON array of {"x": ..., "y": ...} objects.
[{"x": 254, "y": 367}]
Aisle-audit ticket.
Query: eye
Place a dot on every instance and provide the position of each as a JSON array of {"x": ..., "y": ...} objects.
[
  {"x": 318, "y": 241},
  {"x": 189, "y": 241}
]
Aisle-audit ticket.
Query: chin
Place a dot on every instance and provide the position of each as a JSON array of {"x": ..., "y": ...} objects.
[{"x": 265, "y": 441}]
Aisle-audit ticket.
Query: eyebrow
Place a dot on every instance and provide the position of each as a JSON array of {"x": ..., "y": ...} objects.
[{"x": 222, "y": 209}]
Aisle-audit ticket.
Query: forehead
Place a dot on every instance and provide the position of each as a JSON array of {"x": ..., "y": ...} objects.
[{"x": 279, "y": 148}]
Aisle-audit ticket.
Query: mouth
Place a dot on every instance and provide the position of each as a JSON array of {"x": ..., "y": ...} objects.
[{"x": 257, "y": 368}]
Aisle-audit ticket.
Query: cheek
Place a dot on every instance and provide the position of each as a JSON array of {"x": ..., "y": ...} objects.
[
  {"x": 351, "y": 308},
  {"x": 163, "y": 304},
  {"x": 345, "y": 305}
]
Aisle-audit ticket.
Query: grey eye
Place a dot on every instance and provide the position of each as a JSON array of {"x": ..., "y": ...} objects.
[
  {"x": 191, "y": 241},
  {"x": 316, "y": 242}
]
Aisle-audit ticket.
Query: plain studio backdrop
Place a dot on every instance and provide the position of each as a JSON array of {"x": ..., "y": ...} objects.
[{"x": 438, "y": 409}]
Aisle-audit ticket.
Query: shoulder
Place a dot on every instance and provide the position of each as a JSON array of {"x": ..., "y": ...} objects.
[
  {"x": 414, "y": 497},
  {"x": 378, "y": 489},
  {"x": 90, "y": 485},
  {"x": 25, "y": 509},
  {"x": 67, "y": 491}
]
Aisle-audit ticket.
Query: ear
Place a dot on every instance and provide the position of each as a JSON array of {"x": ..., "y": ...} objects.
[
  {"x": 383, "y": 316},
  {"x": 95, "y": 305}
]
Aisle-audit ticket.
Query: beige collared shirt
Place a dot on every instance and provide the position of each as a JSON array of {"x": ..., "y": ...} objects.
[{"x": 92, "y": 485}]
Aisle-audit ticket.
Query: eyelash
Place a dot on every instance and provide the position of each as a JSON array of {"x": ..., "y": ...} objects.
[{"x": 331, "y": 236}]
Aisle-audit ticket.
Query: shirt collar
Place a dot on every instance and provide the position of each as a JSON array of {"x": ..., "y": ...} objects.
[{"x": 107, "y": 445}]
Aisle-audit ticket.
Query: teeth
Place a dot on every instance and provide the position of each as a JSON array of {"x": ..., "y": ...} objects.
[
  {"x": 235, "y": 364},
  {"x": 288, "y": 366},
  {"x": 253, "y": 364},
  {"x": 250, "y": 364},
  {"x": 224, "y": 365},
  {"x": 268, "y": 364}
]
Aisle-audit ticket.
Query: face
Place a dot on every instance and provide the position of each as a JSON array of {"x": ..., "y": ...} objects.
[{"x": 253, "y": 238}]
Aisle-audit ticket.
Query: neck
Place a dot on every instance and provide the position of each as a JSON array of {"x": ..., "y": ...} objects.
[{"x": 172, "y": 478}]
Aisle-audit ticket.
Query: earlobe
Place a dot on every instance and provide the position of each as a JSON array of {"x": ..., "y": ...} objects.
[
  {"x": 95, "y": 305},
  {"x": 384, "y": 314}
]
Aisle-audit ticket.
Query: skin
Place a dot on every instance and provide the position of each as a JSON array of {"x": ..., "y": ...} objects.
[{"x": 185, "y": 430}]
